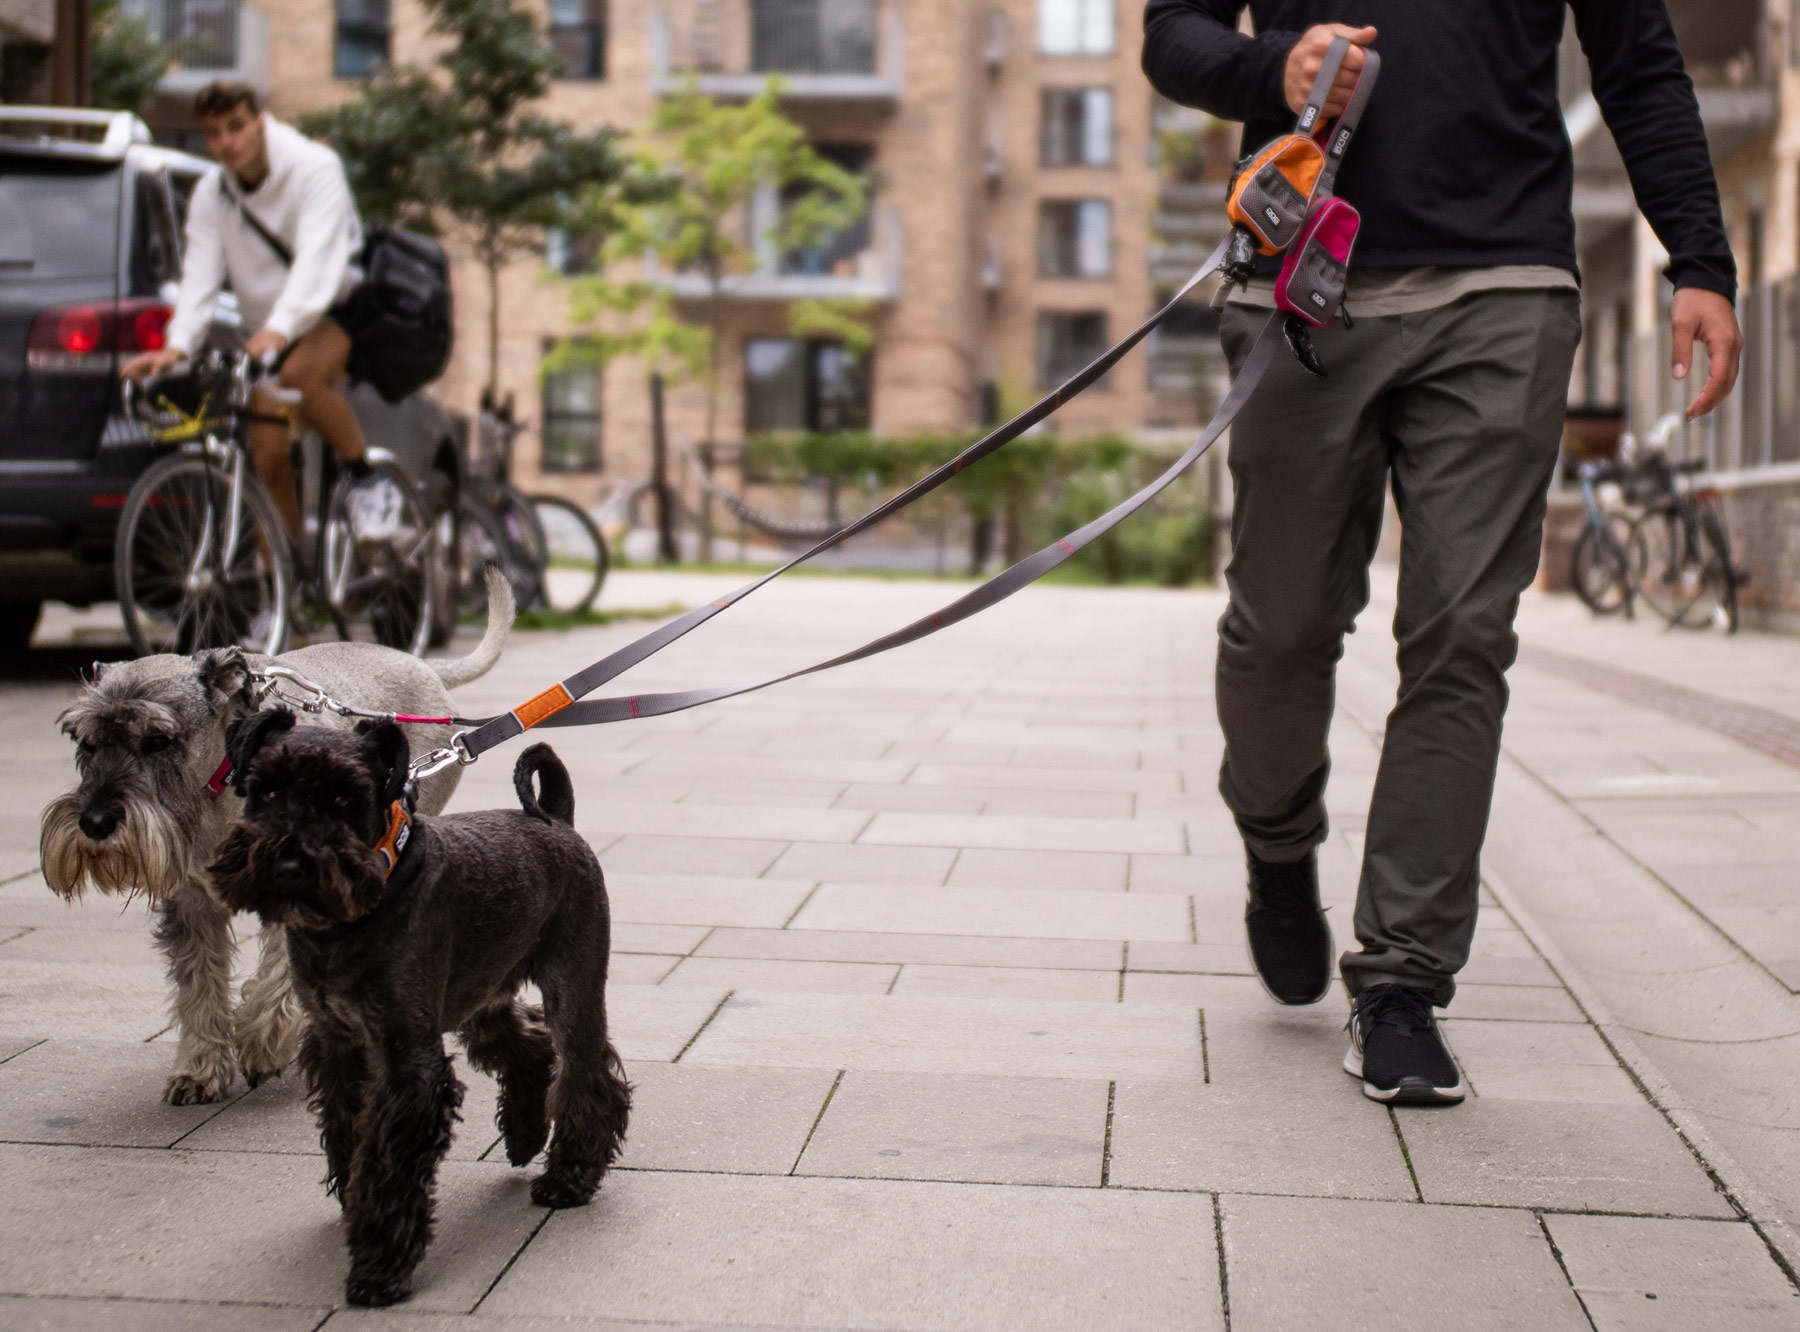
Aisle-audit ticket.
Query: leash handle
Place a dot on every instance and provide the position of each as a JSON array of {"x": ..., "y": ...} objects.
[
  {"x": 1321, "y": 88},
  {"x": 1345, "y": 128}
]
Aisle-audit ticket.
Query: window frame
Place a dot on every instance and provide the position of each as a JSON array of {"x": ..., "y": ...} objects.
[
  {"x": 814, "y": 398},
  {"x": 1050, "y": 247},
  {"x": 596, "y": 31},
  {"x": 1083, "y": 96},
  {"x": 555, "y": 418},
  {"x": 1049, "y": 374},
  {"x": 362, "y": 30},
  {"x": 1088, "y": 20}
]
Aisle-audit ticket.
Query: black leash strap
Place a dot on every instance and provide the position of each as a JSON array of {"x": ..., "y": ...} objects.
[{"x": 558, "y": 705}]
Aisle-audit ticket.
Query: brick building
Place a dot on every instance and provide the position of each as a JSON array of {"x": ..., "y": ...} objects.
[{"x": 1009, "y": 150}]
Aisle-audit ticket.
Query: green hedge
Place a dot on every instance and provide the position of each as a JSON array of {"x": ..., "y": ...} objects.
[{"x": 1041, "y": 486}]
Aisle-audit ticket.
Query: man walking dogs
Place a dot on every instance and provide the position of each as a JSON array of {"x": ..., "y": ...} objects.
[{"x": 1452, "y": 384}]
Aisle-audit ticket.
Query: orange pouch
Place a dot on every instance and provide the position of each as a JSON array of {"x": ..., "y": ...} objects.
[{"x": 1272, "y": 192}]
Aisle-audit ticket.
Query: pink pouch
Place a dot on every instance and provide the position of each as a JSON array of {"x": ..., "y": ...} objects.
[{"x": 1311, "y": 285}]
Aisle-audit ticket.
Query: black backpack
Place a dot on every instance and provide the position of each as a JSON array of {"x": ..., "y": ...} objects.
[{"x": 399, "y": 319}]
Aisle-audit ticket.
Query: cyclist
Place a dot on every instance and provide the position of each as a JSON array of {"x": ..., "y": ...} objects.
[{"x": 278, "y": 222}]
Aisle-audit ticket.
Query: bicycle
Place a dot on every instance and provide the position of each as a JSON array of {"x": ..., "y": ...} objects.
[
  {"x": 1683, "y": 555},
  {"x": 1601, "y": 561},
  {"x": 549, "y": 548},
  {"x": 203, "y": 558}
]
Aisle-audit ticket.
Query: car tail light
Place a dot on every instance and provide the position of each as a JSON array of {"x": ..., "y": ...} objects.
[{"x": 84, "y": 339}]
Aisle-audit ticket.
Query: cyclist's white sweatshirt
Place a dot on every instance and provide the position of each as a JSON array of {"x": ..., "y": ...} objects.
[{"x": 305, "y": 201}]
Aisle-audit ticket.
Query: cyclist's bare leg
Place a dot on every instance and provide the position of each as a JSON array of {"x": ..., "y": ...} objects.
[
  {"x": 316, "y": 368},
  {"x": 272, "y": 452}
]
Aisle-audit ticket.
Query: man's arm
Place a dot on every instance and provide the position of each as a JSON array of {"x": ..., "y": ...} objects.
[
  {"x": 1194, "y": 55},
  {"x": 324, "y": 251},
  {"x": 202, "y": 270}
]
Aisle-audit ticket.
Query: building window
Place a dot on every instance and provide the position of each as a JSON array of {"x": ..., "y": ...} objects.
[
  {"x": 571, "y": 253},
  {"x": 1075, "y": 27},
  {"x": 791, "y": 384},
  {"x": 1075, "y": 238},
  {"x": 812, "y": 36},
  {"x": 1067, "y": 341},
  {"x": 1077, "y": 127},
  {"x": 836, "y": 254},
  {"x": 572, "y": 420},
  {"x": 578, "y": 36},
  {"x": 362, "y": 38}
]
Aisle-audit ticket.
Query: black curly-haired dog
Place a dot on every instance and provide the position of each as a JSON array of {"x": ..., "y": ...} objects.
[{"x": 401, "y": 928}]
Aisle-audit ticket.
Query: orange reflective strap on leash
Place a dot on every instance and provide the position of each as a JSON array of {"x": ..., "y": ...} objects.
[{"x": 394, "y": 840}]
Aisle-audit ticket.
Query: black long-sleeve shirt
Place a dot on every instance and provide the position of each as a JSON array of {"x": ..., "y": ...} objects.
[{"x": 1462, "y": 158}]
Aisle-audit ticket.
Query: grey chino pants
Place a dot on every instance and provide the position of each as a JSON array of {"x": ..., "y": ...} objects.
[{"x": 1462, "y": 407}]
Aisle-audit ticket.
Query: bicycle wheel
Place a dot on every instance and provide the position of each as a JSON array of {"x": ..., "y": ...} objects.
[
  {"x": 1666, "y": 574},
  {"x": 521, "y": 522},
  {"x": 1717, "y": 603},
  {"x": 380, "y": 556},
  {"x": 575, "y": 554},
  {"x": 485, "y": 540},
  {"x": 1601, "y": 575},
  {"x": 190, "y": 573}
]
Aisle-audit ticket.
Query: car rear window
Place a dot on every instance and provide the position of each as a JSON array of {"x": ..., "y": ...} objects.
[{"x": 57, "y": 219}]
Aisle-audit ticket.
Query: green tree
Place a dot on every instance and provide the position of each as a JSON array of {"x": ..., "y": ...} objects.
[
  {"x": 459, "y": 146},
  {"x": 127, "y": 59},
  {"x": 713, "y": 158}
]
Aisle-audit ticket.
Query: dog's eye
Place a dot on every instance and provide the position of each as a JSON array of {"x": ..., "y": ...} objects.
[
  {"x": 341, "y": 800},
  {"x": 155, "y": 744},
  {"x": 83, "y": 750}
]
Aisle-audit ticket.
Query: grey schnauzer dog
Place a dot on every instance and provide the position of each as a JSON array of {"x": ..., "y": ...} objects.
[
  {"x": 150, "y": 808},
  {"x": 401, "y": 928}
]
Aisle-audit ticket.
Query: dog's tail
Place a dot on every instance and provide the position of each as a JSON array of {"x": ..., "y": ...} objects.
[
  {"x": 461, "y": 670},
  {"x": 554, "y": 801}
]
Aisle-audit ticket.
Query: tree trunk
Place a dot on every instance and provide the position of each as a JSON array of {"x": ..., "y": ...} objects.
[
  {"x": 493, "y": 284},
  {"x": 715, "y": 327},
  {"x": 666, "y": 550}
]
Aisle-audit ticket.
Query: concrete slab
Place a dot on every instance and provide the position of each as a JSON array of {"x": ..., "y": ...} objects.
[
  {"x": 1091, "y": 871},
  {"x": 900, "y": 1255},
  {"x": 734, "y": 1120},
  {"x": 1322, "y": 1140},
  {"x": 816, "y": 862},
  {"x": 222, "y": 1226},
  {"x": 962, "y": 1127},
  {"x": 947, "y": 950},
  {"x": 729, "y": 973},
  {"x": 94, "y": 1093},
  {"x": 645, "y": 854},
  {"x": 1637, "y": 1272},
  {"x": 1607, "y": 1158},
  {"x": 1094, "y": 987},
  {"x": 1299, "y": 1264},
  {"x": 694, "y": 899},
  {"x": 1010, "y": 1037},
  {"x": 1025, "y": 834},
  {"x": 1013, "y": 913},
  {"x": 656, "y": 1022},
  {"x": 57, "y": 1314}
]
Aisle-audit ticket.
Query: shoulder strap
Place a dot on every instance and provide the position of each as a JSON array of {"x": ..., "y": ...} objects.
[
  {"x": 1347, "y": 122},
  {"x": 274, "y": 242},
  {"x": 1321, "y": 89}
]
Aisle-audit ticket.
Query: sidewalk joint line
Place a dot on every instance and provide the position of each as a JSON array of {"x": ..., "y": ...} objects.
[
  {"x": 1556, "y": 1253},
  {"x": 1219, "y": 1246},
  {"x": 16, "y": 1053},
  {"x": 950, "y": 868},
  {"x": 797, "y": 910},
  {"x": 1124, "y": 966},
  {"x": 501, "y": 1275},
  {"x": 817, "y": 1119},
  {"x": 161, "y": 1031},
  {"x": 703, "y": 1026},
  {"x": 1205, "y": 1061},
  {"x": 898, "y": 968},
  {"x": 1193, "y": 922},
  {"x": 701, "y": 941},
  {"x": 1405, "y": 1155},
  {"x": 1112, "y": 1092},
  {"x": 23, "y": 931}
]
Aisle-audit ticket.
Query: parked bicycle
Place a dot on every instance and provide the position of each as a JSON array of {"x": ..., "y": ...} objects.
[
  {"x": 1682, "y": 555},
  {"x": 548, "y": 547},
  {"x": 203, "y": 558},
  {"x": 1602, "y": 574}
]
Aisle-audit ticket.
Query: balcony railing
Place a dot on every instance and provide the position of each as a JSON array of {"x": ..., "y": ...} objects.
[
  {"x": 822, "y": 50},
  {"x": 207, "y": 40},
  {"x": 864, "y": 263}
]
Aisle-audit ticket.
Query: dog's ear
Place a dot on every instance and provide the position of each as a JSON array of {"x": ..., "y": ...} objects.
[
  {"x": 391, "y": 756},
  {"x": 245, "y": 736},
  {"x": 225, "y": 674}
]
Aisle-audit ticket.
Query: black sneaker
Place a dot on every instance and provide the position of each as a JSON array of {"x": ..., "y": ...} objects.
[
  {"x": 1290, "y": 943},
  {"x": 1396, "y": 1050}
]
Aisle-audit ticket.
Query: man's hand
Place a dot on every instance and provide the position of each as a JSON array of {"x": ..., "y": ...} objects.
[
  {"x": 145, "y": 364},
  {"x": 266, "y": 344},
  {"x": 1309, "y": 53},
  {"x": 1710, "y": 318}
]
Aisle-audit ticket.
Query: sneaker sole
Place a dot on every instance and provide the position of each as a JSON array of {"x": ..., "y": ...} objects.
[{"x": 1411, "y": 1091}]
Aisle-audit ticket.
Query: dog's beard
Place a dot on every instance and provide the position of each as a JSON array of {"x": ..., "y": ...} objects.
[
  {"x": 344, "y": 885},
  {"x": 147, "y": 852}
]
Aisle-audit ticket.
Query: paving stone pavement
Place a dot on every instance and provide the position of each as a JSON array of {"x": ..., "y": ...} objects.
[{"x": 930, "y": 977}]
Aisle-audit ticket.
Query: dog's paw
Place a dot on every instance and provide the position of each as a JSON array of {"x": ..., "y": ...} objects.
[
  {"x": 267, "y": 1040},
  {"x": 373, "y": 1292},
  {"x": 186, "y": 1089},
  {"x": 549, "y": 1191},
  {"x": 256, "y": 1073}
]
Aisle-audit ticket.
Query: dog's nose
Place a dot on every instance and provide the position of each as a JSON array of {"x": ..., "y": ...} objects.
[
  {"x": 288, "y": 870},
  {"x": 99, "y": 821}
]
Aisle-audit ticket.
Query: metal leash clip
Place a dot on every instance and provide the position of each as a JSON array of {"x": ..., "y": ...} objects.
[{"x": 427, "y": 765}]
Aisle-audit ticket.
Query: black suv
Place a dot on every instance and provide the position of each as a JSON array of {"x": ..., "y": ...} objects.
[{"x": 91, "y": 226}]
